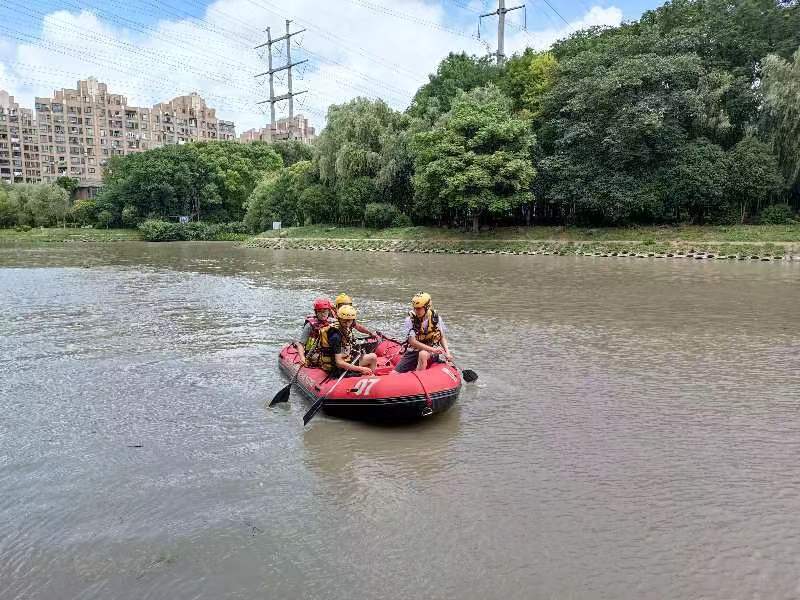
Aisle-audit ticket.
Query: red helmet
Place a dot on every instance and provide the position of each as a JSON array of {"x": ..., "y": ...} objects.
[{"x": 322, "y": 304}]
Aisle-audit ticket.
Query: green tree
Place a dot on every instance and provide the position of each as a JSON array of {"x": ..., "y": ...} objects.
[
  {"x": 209, "y": 181},
  {"x": 475, "y": 160},
  {"x": 84, "y": 212},
  {"x": 781, "y": 87},
  {"x": 70, "y": 184},
  {"x": 754, "y": 176},
  {"x": 364, "y": 139},
  {"x": 317, "y": 204},
  {"x": 352, "y": 197},
  {"x": 456, "y": 73},
  {"x": 292, "y": 151},
  {"x": 105, "y": 218},
  {"x": 8, "y": 215},
  {"x": 277, "y": 198},
  {"x": 697, "y": 182},
  {"x": 527, "y": 77},
  {"x": 38, "y": 204}
]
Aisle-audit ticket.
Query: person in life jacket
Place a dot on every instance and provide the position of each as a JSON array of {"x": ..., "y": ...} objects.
[
  {"x": 306, "y": 348},
  {"x": 337, "y": 346},
  {"x": 345, "y": 300},
  {"x": 425, "y": 332}
]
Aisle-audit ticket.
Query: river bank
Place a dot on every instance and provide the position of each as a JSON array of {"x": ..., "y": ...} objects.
[
  {"x": 45, "y": 235},
  {"x": 731, "y": 243},
  {"x": 740, "y": 242}
]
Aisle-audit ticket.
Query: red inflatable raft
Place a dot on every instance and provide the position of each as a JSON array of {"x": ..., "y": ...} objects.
[{"x": 386, "y": 395}]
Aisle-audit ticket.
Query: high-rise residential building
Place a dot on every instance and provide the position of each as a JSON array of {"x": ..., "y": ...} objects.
[
  {"x": 77, "y": 131},
  {"x": 80, "y": 129},
  {"x": 189, "y": 119},
  {"x": 296, "y": 128},
  {"x": 19, "y": 148}
]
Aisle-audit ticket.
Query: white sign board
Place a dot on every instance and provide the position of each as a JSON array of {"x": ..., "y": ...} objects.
[
  {"x": 276, "y": 224},
  {"x": 183, "y": 219}
]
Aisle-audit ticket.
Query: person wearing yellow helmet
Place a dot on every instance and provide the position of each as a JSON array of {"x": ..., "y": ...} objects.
[
  {"x": 345, "y": 300},
  {"x": 425, "y": 332},
  {"x": 337, "y": 346}
]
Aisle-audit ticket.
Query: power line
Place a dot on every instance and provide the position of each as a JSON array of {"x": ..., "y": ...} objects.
[{"x": 555, "y": 11}]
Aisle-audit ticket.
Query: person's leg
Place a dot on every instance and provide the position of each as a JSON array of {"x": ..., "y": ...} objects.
[
  {"x": 408, "y": 362},
  {"x": 422, "y": 360},
  {"x": 369, "y": 360}
]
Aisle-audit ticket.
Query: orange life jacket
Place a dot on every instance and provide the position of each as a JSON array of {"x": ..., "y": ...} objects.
[{"x": 327, "y": 360}]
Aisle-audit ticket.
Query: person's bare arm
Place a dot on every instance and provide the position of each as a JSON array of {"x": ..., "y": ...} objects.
[{"x": 359, "y": 327}]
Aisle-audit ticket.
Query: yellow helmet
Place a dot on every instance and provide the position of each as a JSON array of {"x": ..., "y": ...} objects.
[
  {"x": 346, "y": 313},
  {"x": 343, "y": 299},
  {"x": 421, "y": 300}
]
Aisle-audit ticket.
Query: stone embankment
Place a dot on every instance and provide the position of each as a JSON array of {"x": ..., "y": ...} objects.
[{"x": 633, "y": 249}]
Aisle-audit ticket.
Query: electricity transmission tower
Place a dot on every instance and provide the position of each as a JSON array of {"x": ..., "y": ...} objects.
[
  {"x": 289, "y": 95},
  {"x": 501, "y": 26}
]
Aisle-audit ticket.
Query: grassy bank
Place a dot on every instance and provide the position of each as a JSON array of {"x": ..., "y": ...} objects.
[
  {"x": 688, "y": 233},
  {"x": 56, "y": 235},
  {"x": 740, "y": 242}
]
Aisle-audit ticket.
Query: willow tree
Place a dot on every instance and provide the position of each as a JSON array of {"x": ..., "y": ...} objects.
[
  {"x": 352, "y": 154},
  {"x": 781, "y": 87}
]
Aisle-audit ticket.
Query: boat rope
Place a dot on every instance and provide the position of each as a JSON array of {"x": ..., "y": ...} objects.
[{"x": 428, "y": 400}]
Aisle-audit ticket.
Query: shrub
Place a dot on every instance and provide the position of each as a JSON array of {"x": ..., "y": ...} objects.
[
  {"x": 380, "y": 215},
  {"x": 777, "y": 214},
  {"x": 401, "y": 220},
  {"x": 84, "y": 211},
  {"x": 156, "y": 230},
  {"x": 130, "y": 216}
]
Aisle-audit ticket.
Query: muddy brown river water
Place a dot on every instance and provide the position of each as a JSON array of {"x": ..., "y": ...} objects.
[{"x": 634, "y": 433}]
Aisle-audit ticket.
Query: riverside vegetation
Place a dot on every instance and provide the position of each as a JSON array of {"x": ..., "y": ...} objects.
[{"x": 687, "y": 116}]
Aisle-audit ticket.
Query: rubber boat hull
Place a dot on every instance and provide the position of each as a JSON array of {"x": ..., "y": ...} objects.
[{"x": 385, "y": 396}]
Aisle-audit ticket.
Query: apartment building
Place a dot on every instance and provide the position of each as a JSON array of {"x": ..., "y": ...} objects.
[
  {"x": 189, "y": 119},
  {"x": 15, "y": 152},
  {"x": 77, "y": 131},
  {"x": 296, "y": 128},
  {"x": 80, "y": 129}
]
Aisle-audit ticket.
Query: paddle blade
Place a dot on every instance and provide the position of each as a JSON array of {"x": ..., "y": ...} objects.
[
  {"x": 282, "y": 396},
  {"x": 312, "y": 411},
  {"x": 469, "y": 375}
]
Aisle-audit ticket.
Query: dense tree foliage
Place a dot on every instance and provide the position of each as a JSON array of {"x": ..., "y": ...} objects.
[
  {"x": 475, "y": 160},
  {"x": 209, "y": 181},
  {"x": 781, "y": 87},
  {"x": 276, "y": 198},
  {"x": 33, "y": 205},
  {"x": 456, "y": 73}
]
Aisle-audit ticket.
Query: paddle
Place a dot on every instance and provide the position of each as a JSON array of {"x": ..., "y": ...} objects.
[
  {"x": 468, "y": 374},
  {"x": 318, "y": 404},
  {"x": 283, "y": 394}
]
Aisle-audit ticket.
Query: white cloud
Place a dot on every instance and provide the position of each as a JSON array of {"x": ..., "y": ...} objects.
[
  {"x": 542, "y": 40},
  {"x": 355, "y": 47}
]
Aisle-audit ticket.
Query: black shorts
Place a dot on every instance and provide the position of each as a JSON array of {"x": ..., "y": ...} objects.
[{"x": 409, "y": 361}]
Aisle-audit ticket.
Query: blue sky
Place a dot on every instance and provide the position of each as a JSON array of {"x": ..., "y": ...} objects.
[{"x": 153, "y": 50}]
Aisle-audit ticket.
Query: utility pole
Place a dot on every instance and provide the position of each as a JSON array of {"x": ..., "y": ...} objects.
[
  {"x": 501, "y": 26},
  {"x": 273, "y": 99}
]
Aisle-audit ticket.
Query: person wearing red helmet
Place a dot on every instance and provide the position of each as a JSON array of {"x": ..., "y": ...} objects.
[{"x": 306, "y": 347}]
